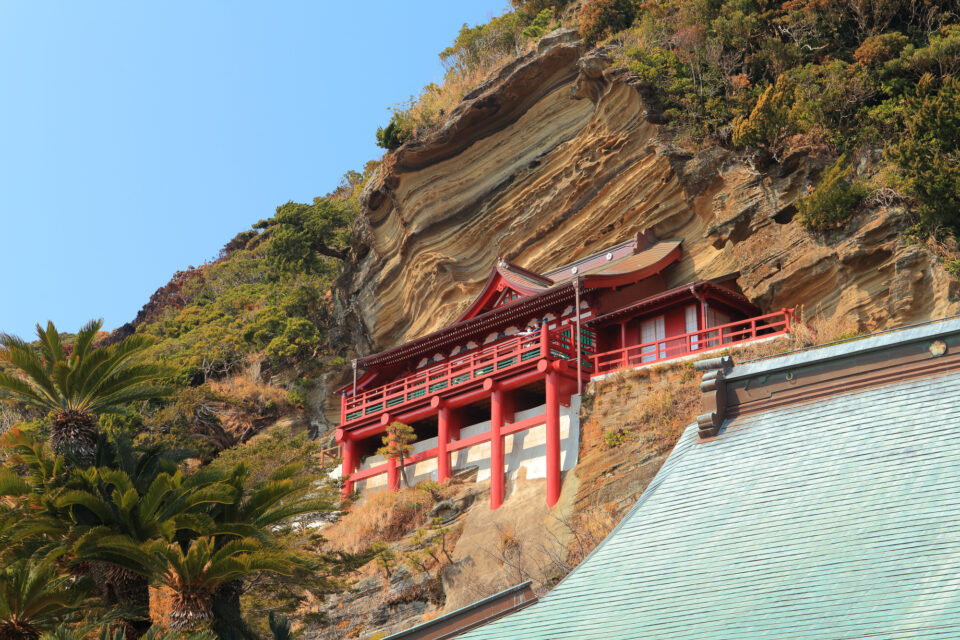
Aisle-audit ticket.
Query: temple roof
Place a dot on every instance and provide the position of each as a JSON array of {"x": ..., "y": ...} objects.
[
  {"x": 621, "y": 264},
  {"x": 834, "y": 517},
  {"x": 701, "y": 287}
]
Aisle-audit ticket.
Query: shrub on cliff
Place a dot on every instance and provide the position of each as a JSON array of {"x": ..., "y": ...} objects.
[
  {"x": 303, "y": 234},
  {"x": 928, "y": 156},
  {"x": 834, "y": 200},
  {"x": 393, "y": 135},
  {"x": 540, "y": 25},
  {"x": 769, "y": 122},
  {"x": 528, "y": 9},
  {"x": 477, "y": 46},
  {"x": 602, "y": 18}
]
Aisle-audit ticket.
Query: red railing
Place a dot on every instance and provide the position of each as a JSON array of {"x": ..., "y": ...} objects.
[
  {"x": 772, "y": 324},
  {"x": 479, "y": 363}
]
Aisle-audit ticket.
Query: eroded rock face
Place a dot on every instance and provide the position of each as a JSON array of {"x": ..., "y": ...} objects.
[{"x": 560, "y": 155}]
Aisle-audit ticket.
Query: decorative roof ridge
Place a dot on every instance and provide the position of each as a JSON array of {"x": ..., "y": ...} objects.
[
  {"x": 468, "y": 324},
  {"x": 504, "y": 265},
  {"x": 664, "y": 295},
  {"x": 641, "y": 241}
]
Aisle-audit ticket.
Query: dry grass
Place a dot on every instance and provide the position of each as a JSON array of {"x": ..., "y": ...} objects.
[
  {"x": 245, "y": 406},
  {"x": 428, "y": 111},
  {"x": 244, "y": 391},
  {"x": 381, "y": 516},
  {"x": 651, "y": 407},
  {"x": 589, "y": 528}
]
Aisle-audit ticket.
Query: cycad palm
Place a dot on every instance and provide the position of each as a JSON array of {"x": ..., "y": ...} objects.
[
  {"x": 109, "y": 504},
  {"x": 36, "y": 596},
  {"x": 194, "y": 573},
  {"x": 256, "y": 512},
  {"x": 78, "y": 386}
]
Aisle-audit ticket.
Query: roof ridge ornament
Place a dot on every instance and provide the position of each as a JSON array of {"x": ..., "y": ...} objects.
[
  {"x": 643, "y": 240},
  {"x": 714, "y": 391}
]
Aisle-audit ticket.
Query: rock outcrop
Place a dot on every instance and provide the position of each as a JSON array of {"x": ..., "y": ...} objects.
[{"x": 560, "y": 154}]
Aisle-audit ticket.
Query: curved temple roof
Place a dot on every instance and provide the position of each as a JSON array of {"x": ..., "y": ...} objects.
[{"x": 625, "y": 263}]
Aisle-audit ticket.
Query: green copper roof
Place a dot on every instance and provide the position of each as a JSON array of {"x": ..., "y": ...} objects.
[{"x": 838, "y": 518}]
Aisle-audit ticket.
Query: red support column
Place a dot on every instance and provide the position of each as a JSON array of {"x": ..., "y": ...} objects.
[
  {"x": 496, "y": 448},
  {"x": 393, "y": 479},
  {"x": 623, "y": 344},
  {"x": 443, "y": 439},
  {"x": 454, "y": 424},
  {"x": 508, "y": 402},
  {"x": 553, "y": 437},
  {"x": 348, "y": 466}
]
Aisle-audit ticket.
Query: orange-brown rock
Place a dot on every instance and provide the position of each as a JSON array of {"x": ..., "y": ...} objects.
[{"x": 560, "y": 154}]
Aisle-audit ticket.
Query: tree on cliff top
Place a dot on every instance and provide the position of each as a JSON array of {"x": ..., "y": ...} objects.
[
  {"x": 301, "y": 233},
  {"x": 396, "y": 446}
]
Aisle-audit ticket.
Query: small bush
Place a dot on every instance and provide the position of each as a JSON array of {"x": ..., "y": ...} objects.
[
  {"x": 769, "y": 121},
  {"x": 928, "y": 155},
  {"x": 953, "y": 268},
  {"x": 601, "y": 18},
  {"x": 614, "y": 438},
  {"x": 393, "y": 135},
  {"x": 540, "y": 25},
  {"x": 477, "y": 46},
  {"x": 529, "y": 9},
  {"x": 834, "y": 201}
]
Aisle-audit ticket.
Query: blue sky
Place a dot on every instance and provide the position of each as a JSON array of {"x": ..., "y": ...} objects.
[{"x": 137, "y": 138}]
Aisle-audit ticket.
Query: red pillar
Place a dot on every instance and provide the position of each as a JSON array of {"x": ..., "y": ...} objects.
[
  {"x": 553, "y": 437},
  {"x": 392, "y": 477},
  {"x": 496, "y": 448},
  {"x": 508, "y": 402},
  {"x": 454, "y": 424},
  {"x": 348, "y": 466},
  {"x": 443, "y": 439},
  {"x": 624, "y": 359}
]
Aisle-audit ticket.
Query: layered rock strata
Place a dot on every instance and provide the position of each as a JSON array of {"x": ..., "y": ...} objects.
[{"x": 560, "y": 154}]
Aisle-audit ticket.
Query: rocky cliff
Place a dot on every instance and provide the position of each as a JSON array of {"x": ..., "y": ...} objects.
[{"x": 560, "y": 154}]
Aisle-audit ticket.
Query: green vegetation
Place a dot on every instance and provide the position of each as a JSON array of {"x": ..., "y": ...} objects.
[
  {"x": 928, "y": 154},
  {"x": 602, "y": 18},
  {"x": 36, "y": 595},
  {"x": 614, "y": 438},
  {"x": 396, "y": 446},
  {"x": 76, "y": 384},
  {"x": 841, "y": 77},
  {"x": 833, "y": 201},
  {"x": 135, "y": 519}
]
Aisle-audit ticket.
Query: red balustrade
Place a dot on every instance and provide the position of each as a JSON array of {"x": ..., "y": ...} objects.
[
  {"x": 514, "y": 352},
  {"x": 767, "y": 326}
]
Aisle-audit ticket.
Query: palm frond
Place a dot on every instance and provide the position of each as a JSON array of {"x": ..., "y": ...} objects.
[
  {"x": 50, "y": 344},
  {"x": 84, "y": 340}
]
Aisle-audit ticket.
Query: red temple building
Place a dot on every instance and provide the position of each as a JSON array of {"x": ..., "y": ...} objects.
[{"x": 517, "y": 358}]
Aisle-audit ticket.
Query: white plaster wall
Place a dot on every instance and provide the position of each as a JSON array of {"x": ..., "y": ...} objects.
[{"x": 525, "y": 450}]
